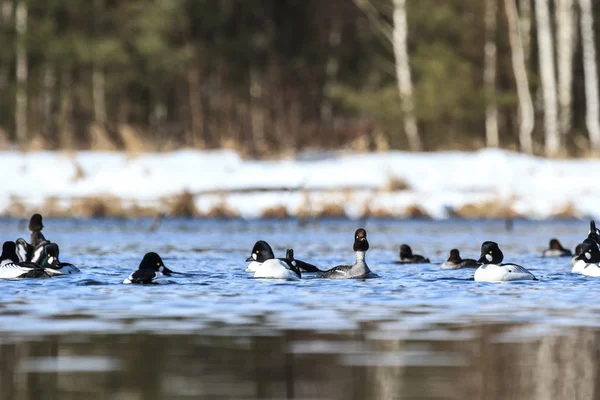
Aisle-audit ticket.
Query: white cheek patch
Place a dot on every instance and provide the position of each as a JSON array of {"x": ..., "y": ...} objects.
[
  {"x": 254, "y": 256},
  {"x": 51, "y": 260},
  {"x": 588, "y": 255},
  {"x": 489, "y": 257},
  {"x": 161, "y": 269},
  {"x": 294, "y": 263}
]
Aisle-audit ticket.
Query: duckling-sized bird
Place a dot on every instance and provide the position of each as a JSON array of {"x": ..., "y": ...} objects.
[
  {"x": 152, "y": 270},
  {"x": 407, "y": 256},
  {"x": 359, "y": 269},
  {"x": 492, "y": 270},
  {"x": 262, "y": 252},
  {"x": 556, "y": 250},
  {"x": 456, "y": 262},
  {"x": 11, "y": 267},
  {"x": 275, "y": 268}
]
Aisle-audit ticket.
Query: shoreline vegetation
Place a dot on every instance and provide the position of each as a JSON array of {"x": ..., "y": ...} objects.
[{"x": 488, "y": 183}]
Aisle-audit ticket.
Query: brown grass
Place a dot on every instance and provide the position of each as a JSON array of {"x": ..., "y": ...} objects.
[
  {"x": 396, "y": 184},
  {"x": 275, "y": 212},
  {"x": 331, "y": 210},
  {"x": 488, "y": 209},
  {"x": 100, "y": 139},
  {"x": 95, "y": 207},
  {"x": 131, "y": 139},
  {"x": 567, "y": 212},
  {"x": 182, "y": 205},
  {"x": 415, "y": 212}
]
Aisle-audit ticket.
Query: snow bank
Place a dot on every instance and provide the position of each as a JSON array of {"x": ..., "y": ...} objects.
[{"x": 438, "y": 184}]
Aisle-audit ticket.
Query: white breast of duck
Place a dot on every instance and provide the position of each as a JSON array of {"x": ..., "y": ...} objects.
[
  {"x": 275, "y": 269},
  {"x": 492, "y": 270},
  {"x": 12, "y": 270}
]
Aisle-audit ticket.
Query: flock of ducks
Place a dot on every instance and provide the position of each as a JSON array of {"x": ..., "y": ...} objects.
[{"x": 40, "y": 259}]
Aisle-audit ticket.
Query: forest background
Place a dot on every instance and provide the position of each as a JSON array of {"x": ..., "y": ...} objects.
[{"x": 273, "y": 77}]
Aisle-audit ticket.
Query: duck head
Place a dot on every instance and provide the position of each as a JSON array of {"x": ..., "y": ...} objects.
[
  {"x": 490, "y": 253},
  {"x": 261, "y": 252}
]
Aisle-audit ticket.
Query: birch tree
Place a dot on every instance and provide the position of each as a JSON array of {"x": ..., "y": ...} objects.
[
  {"x": 590, "y": 69},
  {"x": 489, "y": 74},
  {"x": 403, "y": 75},
  {"x": 548, "y": 77},
  {"x": 524, "y": 15},
  {"x": 565, "y": 32},
  {"x": 526, "y": 111},
  {"x": 21, "y": 72}
]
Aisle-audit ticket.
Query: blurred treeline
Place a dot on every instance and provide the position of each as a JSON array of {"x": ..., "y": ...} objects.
[{"x": 263, "y": 76}]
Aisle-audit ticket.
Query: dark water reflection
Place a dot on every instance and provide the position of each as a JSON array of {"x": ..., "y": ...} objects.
[{"x": 455, "y": 363}]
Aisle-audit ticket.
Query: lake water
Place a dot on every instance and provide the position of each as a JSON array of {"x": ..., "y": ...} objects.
[{"x": 417, "y": 332}]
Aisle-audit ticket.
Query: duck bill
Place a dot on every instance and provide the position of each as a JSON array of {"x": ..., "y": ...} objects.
[
  {"x": 167, "y": 271},
  {"x": 482, "y": 260},
  {"x": 249, "y": 259}
]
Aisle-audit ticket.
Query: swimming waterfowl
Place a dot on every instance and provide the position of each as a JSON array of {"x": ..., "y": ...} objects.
[
  {"x": 275, "y": 268},
  {"x": 46, "y": 255},
  {"x": 36, "y": 226},
  {"x": 456, "y": 262},
  {"x": 262, "y": 252},
  {"x": 11, "y": 267},
  {"x": 588, "y": 259},
  {"x": 152, "y": 270},
  {"x": 556, "y": 250},
  {"x": 359, "y": 269},
  {"x": 594, "y": 233},
  {"x": 492, "y": 270},
  {"x": 407, "y": 256}
]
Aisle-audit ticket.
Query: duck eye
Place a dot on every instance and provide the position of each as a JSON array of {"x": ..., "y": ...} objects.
[
  {"x": 49, "y": 255},
  {"x": 257, "y": 251},
  {"x": 158, "y": 264},
  {"x": 490, "y": 252}
]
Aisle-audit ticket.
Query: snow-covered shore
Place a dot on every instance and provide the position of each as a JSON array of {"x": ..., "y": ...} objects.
[{"x": 487, "y": 183}]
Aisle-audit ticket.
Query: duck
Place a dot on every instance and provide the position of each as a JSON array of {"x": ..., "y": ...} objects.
[
  {"x": 456, "y": 262},
  {"x": 359, "y": 269},
  {"x": 588, "y": 259},
  {"x": 556, "y": 250},
  {"x": 41, "y": 254},
  {"x": 275, "y": 268},
  {"x": 12, "y": 268},
  {"x": 577, "y": 252},
  {"x": 492, "y": 270},
  {"x": 35, "y": 227},
  {"x": 262, "y": 252},
  {"x": 152, "y": 270},
  {"x": 407, "y": 256},
  {"x": 46, "y": 255}
]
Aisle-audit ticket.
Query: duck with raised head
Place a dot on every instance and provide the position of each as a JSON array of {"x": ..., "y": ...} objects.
[
  {"x": 262, "y": 252},
  {"x": 407, "y": 257},
  {"x": 456, "y": 262},
  {"x": 11, "y": 267},
  {"x": 556, "y": 250},
  {"x": 359, "y": 269},
  {"x": 594, "y": 233},
  {"x": 589, "y": 259},
  {"x": 152, "y": 270},
  {"x": 492, "y": 269},
  {"x": 275, "y": 268}
]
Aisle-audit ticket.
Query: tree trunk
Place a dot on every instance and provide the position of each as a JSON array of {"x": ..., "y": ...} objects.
[
  {"x": 195, "y": 102},
  {"x": 548, "y": 77},
  {"x": 21, "y": 69},
  {"x": 403, "y": 75},
  {"x": 48, "y": 101},
  {"x": 565, "y": 21},
  {"x": 525, "y": 27},
  {"x": 590, "y": 69},
  {"x": 331, "y": 70},
  {"x": 489, "y": 74},
  {"x": 65, "y": 126},
  {"x": 98, "y": 95},
  {"x": 526, "y": 122},
  {"x": 257, "y": 112}
]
